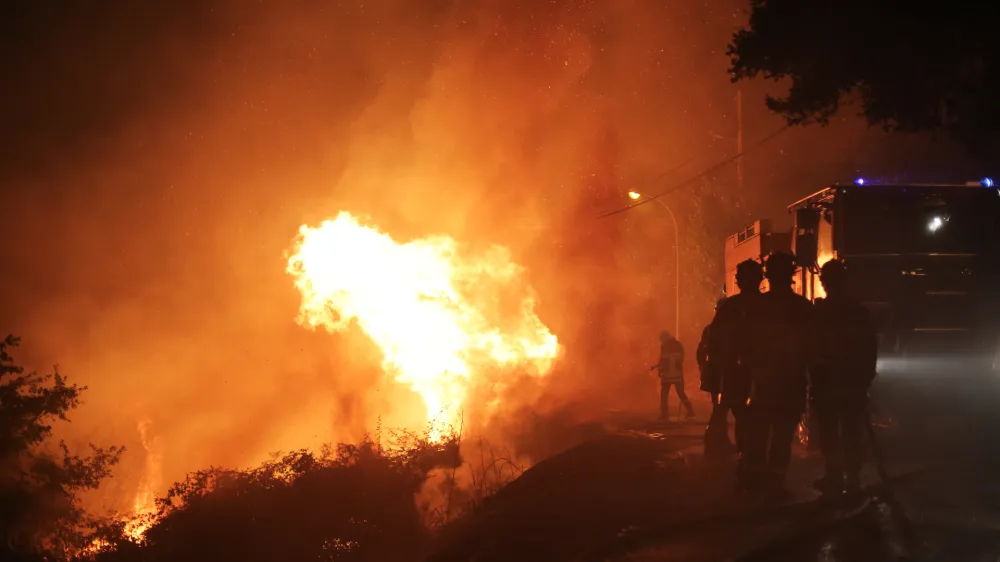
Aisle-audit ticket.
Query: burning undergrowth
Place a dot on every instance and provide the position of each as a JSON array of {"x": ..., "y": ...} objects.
[
  {"x": 453, "y": 325},
  {"x": 380, "y": 499},
  {"x": 349, "y": 502}
]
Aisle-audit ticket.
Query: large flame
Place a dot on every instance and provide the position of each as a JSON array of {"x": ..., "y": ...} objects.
[{"x": 439, "y": 317}]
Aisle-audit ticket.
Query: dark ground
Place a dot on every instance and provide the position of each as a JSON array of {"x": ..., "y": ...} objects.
[{"x": 646, "y": 493}]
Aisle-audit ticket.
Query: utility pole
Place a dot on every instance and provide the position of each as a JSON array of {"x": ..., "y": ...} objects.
[
  {"x": 677, "y": 268},
  {"x": 739, "y": 139}
]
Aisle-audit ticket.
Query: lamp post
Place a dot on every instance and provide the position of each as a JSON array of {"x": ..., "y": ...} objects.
[{"x": 635, "y": 196}]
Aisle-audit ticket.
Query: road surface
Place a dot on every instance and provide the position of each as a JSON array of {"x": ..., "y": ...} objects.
[{"x": 645, "y": 493}]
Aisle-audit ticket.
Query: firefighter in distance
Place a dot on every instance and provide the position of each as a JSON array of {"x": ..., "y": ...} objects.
[{"x": 671, "y": 371}]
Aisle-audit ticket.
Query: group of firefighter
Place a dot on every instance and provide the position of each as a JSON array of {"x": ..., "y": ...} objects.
[{"x": 765, "y": 356}]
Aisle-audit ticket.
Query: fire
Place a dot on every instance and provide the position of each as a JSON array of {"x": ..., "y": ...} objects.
[
  {"x": 144, "y": 504},
  {"x": 143, "y": 513},
  {"x": 440, "y": 317},
  {"x": 823, "y": 257}
]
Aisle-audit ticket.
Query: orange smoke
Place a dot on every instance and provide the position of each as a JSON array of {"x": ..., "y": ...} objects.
[{"x": 439, "y": 317}]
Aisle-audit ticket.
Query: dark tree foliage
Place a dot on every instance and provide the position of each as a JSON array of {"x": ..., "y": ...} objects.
[
  {"x": 41, "y": 515},
  {"x": 352, "y": 504},
  {"x": 912, "y": 66}
]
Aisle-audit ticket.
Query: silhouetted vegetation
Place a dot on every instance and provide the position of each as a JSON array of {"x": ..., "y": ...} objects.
[
  {"x": 352, "y": 503},
  {"x": 913, "y": 66},
  {"x": 488, "y": 471},
  {"x": 39, "y": 483}
]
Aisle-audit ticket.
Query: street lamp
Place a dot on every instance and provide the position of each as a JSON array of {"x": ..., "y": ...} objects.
[{"x": 635, "y": 196}]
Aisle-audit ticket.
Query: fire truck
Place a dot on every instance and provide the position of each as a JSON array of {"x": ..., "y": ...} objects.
[{"x": 924, "y": 258}]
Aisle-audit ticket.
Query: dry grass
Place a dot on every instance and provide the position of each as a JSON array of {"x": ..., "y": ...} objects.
[{"x": 479, "y": 472}]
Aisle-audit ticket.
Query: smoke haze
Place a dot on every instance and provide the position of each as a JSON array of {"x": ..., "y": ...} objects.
[{"x": 159, "y": 159}]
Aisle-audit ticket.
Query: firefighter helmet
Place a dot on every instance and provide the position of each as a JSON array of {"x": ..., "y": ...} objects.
[
  {"x": 833, "y": 273},
  {"x": 779, "y": 267},
  {"x": 749, "y": 272},
  {"x": 833, "y": 268}
]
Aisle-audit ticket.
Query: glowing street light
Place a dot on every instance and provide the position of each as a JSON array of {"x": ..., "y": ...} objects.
[{"x": 635, "y": 196}]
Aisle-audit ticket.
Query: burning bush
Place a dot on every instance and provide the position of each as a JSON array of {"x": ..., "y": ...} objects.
[
  {"x": 349, "y": 502},
  {"x": 354, "y": 502}
]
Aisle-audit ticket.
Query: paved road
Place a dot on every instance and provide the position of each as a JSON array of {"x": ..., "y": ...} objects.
[
  {"x": 943, "y": 444},
  {"x": 643, "y": 491}
]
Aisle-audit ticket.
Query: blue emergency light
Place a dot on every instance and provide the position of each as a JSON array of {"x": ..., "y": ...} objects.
[
  {"x": 987, "y": 182},
  {"x": 860, "y": 181}
]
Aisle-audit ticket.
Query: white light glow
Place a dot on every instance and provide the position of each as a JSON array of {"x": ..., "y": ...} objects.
[{"x": 935, "y": 224}]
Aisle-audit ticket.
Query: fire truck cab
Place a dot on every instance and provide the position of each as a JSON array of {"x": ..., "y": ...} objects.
[{"x": 924, "y": 258}]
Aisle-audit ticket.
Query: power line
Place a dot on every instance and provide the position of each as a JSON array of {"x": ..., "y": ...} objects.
[
  {"x": 673, "y": 170},
  {"x": 690, "y": 181}
]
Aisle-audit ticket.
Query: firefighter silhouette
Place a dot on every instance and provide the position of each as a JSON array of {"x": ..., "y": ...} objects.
[
  {"x": 671, "y": 370},
  {"x": 727, "y": 348},
  {"x": 846, "y": 356},
  {"x": 717, "y": 433},
  {"x": 777, "y": 358}
]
